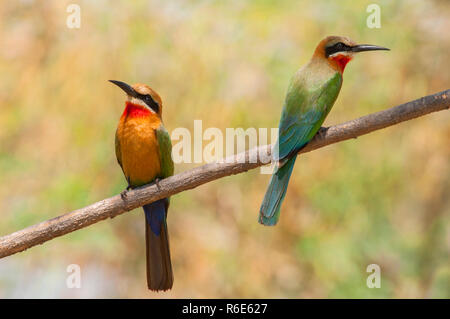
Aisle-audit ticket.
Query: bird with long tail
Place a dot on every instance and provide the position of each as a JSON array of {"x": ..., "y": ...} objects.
[
  {"x": 143, "y": 150},
  {"x": 310, "y": 97}
]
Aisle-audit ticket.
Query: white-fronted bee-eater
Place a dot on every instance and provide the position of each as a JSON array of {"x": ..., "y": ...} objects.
[
  {"x": 143, "y": 150},
  {"x": 310, "y": 97}
]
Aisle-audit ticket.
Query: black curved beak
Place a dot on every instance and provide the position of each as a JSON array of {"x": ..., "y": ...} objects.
[
  {"x": 367, "y": 47},
  {"x": 127, "y": 88}
]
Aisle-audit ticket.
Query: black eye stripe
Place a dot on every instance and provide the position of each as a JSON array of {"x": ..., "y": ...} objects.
[
  {"x": 337, "y": 47},
  {"x": 147, "y": 99}
]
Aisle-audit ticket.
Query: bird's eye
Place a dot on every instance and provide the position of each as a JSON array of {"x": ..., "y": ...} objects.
[
  {"x": 337, "y": 47},
  {"x": 340, "y": 46},
  {"x": 151, "y": 103}
]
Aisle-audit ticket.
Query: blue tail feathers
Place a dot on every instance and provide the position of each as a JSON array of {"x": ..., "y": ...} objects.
[
  {"x": 159, "y": 266},
  {"x": 270, "y": 207},
  {"x": 156, "y": 215}
]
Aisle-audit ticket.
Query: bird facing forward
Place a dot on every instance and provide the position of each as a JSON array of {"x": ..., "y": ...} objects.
[
  {"x": 143, "y": 150},
  {"x": 310, "y": 97}
]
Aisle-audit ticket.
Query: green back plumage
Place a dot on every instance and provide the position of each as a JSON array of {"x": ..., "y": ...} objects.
[
  {"x": 309, "y": 99},
  {"x": 165, "y": 152},
  {"x": 307, "y": 104}
]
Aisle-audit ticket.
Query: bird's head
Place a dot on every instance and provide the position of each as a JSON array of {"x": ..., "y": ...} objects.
[
  {"x": 141, "y": 96},
  {"x": 338, "y": 51}
]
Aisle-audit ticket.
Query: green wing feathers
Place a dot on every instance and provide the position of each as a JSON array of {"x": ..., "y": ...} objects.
[
  {"x": 165, "y": 152},
  {"x": 304, "y": 111},
  {"x": 303, "y": 114}
]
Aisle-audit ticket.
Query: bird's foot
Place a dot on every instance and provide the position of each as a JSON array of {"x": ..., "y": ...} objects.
[
  {"x": 322, "y": 132},
  {"x": 123, "y": 194},
  {"x": 156, "y": 182}
]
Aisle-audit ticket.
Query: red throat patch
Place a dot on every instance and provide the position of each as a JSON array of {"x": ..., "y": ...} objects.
[
  {"x": 341, "y": 60},
  {"x": 134, "y": 110}
]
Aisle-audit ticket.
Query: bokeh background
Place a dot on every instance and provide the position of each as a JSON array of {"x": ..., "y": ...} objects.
[{"x": 382, "y": 198}]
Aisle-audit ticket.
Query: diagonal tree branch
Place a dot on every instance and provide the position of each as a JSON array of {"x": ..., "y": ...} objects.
[{"x": 242, "y": 162}]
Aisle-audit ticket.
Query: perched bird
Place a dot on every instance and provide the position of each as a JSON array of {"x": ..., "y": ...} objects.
[
  {"x": 310, "y": 97},
  {"x": 143, "y": 150}
]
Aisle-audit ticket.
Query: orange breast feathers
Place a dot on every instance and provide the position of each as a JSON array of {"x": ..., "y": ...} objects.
[{"x": 138, "y": 149}]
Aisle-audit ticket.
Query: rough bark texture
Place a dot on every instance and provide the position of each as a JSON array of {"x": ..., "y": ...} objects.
[{"x": 113, "y": 206}]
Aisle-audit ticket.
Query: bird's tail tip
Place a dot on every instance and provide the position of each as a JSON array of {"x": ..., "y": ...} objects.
[
  {"x": 272, "y": 221},
  {"x": 269, "y": 212},
  {"x": 268, "y": 219}
]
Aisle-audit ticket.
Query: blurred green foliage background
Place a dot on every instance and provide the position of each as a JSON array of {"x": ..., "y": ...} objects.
[{"x": 382, "y": 198}]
